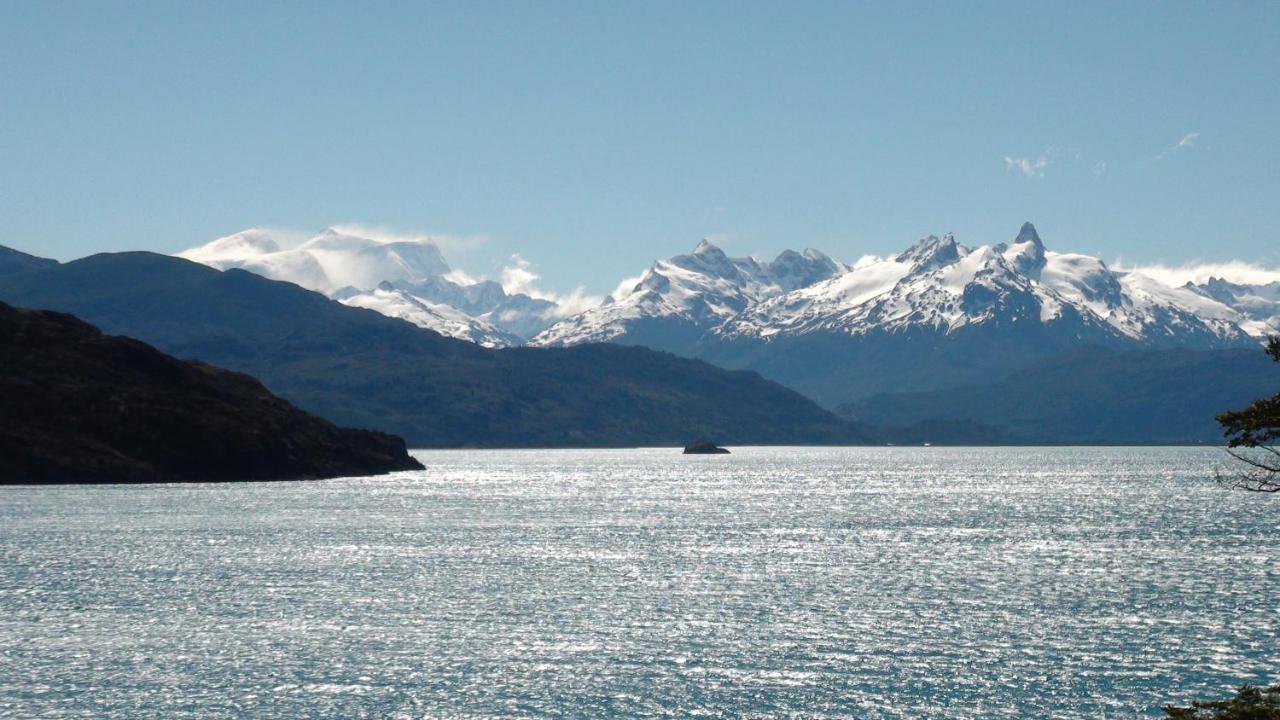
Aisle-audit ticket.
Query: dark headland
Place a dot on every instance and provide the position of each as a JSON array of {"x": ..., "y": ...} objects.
[{"x": 80, "y": 407}]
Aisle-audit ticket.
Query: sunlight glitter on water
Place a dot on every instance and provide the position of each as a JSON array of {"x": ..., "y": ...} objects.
[{"x": 774, "y": 582}]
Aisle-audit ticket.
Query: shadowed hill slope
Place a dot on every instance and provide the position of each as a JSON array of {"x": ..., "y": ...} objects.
[
  {"x": 80, "y": 406},
  {"x": 1090, "y": 395},
  {"x": 14, "y": 261},
  {"x": 357, "y": 367}
]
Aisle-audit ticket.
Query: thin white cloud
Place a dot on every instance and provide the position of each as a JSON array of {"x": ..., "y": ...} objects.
[
  {"x": 573, "y": 303},
  {"x": 1186, "y": 141},
  {"x": 1099, "y": 169},
  {"x": 1028, "y": 167},
  {"x": 625, "y": 287},
  {"x": 448, "y": 244},
  {"x": 1236, "y": 271},
  {"x": 518, "y": 277},
  {"x": 462, "y": 277},
  {"x": 286, "y": 238}
]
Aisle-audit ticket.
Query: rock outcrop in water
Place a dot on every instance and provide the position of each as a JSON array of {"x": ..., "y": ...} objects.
[
  {"x": 704, "y": 447},
  {"x": 78, "y": 406}
]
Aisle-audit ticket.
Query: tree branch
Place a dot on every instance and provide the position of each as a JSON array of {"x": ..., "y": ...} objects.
[{"x": 1260, "y": 475}]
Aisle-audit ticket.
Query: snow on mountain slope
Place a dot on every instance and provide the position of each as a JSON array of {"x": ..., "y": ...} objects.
[
  {"x": 444, "y": 319},
  {"x": 936, "y": 284},
  {"x": 687, "y": 301},
  {"x": 244, "y": 244},
  {"x": 327, "y": 262},
  {"x": 418, "y": 286},
  {"x": 698, "y": 291},
  {"x": 516, "y": 314},
  {"x": 1159, "y": 314},
  {"x": 1259, "y": 304},
  {"x": 944, "y": 286}
]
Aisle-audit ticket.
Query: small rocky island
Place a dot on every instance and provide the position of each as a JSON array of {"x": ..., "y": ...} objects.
[
  {"x": 704, "y": 447},
  {"x": 78, "y": 406}
]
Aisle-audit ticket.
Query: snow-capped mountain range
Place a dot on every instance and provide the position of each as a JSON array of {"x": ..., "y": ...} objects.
[
  {"x": 825, "y": 327},
  {"x": 944, "y": 286},
  {"x": 403, "y": 278},
  {"x": 939, "y": 314},
  {"x": 937, "y": 284},
  {"x": 693, "y": 294}
]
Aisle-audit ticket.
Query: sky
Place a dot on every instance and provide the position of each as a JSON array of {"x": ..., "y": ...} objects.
[{"x": 591, "y": 138}]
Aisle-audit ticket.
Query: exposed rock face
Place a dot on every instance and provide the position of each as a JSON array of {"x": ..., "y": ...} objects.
[
  {"x": 83, "y": 407},
  {"x": 704, "y": 447}
]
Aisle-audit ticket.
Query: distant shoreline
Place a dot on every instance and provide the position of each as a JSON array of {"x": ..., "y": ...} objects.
[{"x": 1169, "y": 444}]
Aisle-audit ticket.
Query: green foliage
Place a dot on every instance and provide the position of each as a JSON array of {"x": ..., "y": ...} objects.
[
  {"x": 1259, "y": 423},
  {"x": 1251, "y": 434},
  {"x": 1250, "y": 703}
]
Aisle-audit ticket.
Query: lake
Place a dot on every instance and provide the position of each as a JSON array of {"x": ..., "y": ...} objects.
[{"x": 774, "y": 582}]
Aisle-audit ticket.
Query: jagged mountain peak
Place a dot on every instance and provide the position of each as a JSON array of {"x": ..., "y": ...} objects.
[
  {"x": 792, "y": 270},
  {"x": 1027, "y": 252},
  {"x": 708, "y": 258},
  {"x": 937, "y": 283},
  {"x": 932, "y": 252},
  {"x": 706, "y": 247},
  {"x": 693, "y": 292},
  {"x": 1028, "y": 234},
  {"x": 810, "y": 254},
  {"x": 942, "y": 286}
]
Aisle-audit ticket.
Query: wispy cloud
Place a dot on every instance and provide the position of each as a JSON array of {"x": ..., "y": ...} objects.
[
  {"x": 1237, "y": 271},
  {"x": 462, "y": 277},
  {"x": 285, "y": 237},
  {"x": 519, "y": 277},
  {"x": 1028, "y": 167},
  {"x": 1065, "y": 159},
  {"x": 625, "y": 287},
  {"x": 1186, "y": 141},
  {"x": 454, "y": 245}
]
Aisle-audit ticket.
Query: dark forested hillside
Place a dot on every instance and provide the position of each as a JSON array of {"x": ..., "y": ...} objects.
[
  {"x": 359, "y": 368},
  {"x": 79, "y": 406},
  {"x": 1091, "y": 395}
]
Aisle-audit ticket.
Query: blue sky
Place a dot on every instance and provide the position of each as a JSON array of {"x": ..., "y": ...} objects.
[{"x": 593, "y": 137}]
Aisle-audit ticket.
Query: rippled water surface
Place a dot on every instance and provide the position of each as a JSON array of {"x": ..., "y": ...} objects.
[{"x": 878, "y": 583}]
